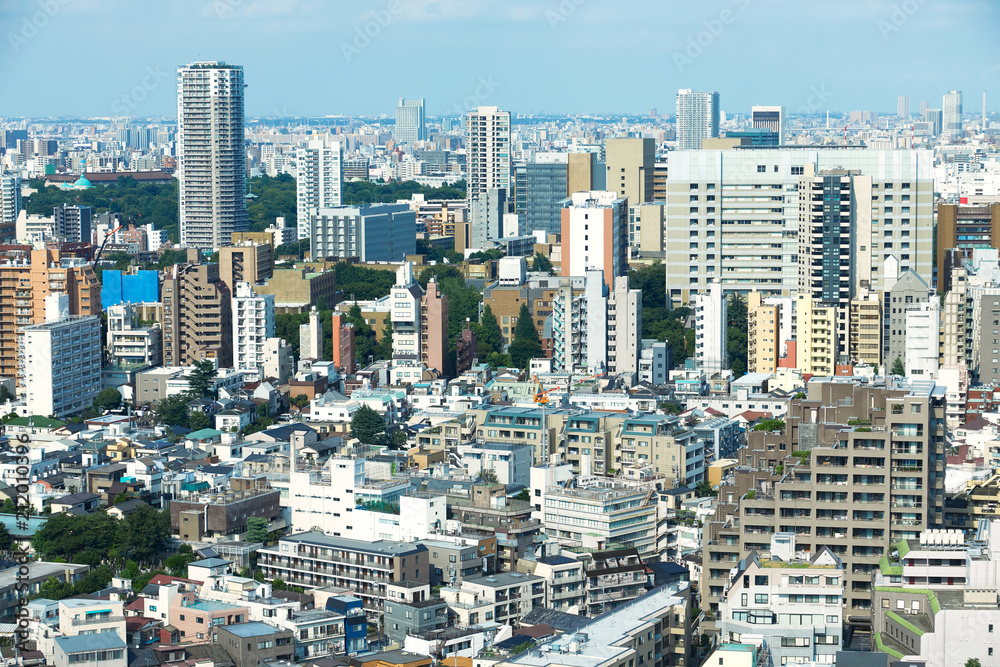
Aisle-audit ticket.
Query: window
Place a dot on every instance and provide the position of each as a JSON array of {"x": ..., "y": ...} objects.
[
  {"x": 761, "y": 168},
  {"x": 760, "y": 580},
  {"x": 760, "y": 598},
  {"x": 795, "y": 641},
  {"x": 798, "y": 171}
]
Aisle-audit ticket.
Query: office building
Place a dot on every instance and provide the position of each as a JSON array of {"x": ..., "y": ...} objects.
[
  {"x": 61, "y": 360},
  {"x": 211, "y": 158},
  {"x": 868, "y": 470},
  {"x": 410, "y": 125},
  {"x": 645, "y": 229},
  {"x": 487, "y": 150},
  {"x": 253, "y": 324},
  {"x": 197, "y": 316},
  {"x": 903, "y": 107},
  {"x": 595, "y": 234},
  {"x": 936, "y": 119},
  {"x": 697, "y": 118},
  {"x": 296, "y": 290},
  {"x": 616, "y": 515},
  {"x": 318, "y": 181},
  {"x": 129, "y": 344},
  {"x": 951, "y": 115},
  {"x": 486, "y": 221},
  {"x": 630, "y": 166},
  {"x": 541, "y": 184},
  {"x": 755, "y": 137},
  {"x": 768, "y": 118},
  {"x": 24, "y": 286},
  {"x": 72, "y": 223},
  {"x": 246, "y": 261},
  {"x": 10, "y": 205},
  {"x": 791, "y": 603},
  {"x": 965, "y": 228},
  {"x": 710, "y": 318},
  {"x": 375, "y": 233},
  {"x": 753, "y": 242}
]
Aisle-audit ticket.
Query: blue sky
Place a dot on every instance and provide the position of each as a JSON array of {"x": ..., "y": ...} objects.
[{"x": 313, "y": 57}]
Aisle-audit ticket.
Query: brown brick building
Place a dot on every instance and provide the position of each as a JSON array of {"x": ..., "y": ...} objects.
[
  {"x": 197, "y": 315},
  {"x": 225, "y": 513}
]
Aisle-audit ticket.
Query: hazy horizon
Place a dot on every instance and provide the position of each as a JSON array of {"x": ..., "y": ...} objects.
[{"x": 92, "y": 58}]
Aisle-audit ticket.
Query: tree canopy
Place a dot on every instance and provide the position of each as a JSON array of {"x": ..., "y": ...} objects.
[
  {"x": 526, "y": 344},
  {"x": 97, "y": 537},
  {"x": 201, "y": 379},
  {"x": 366, "y": 425}
]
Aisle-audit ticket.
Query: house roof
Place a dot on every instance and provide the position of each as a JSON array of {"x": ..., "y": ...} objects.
[
  {"x": 204, "y": 434},
  {"x": 95, "y": 642},
  {"x": 36, "y": 421}
]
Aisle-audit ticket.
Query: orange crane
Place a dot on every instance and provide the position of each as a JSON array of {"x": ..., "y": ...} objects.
[{"x": 97, "y": 258}]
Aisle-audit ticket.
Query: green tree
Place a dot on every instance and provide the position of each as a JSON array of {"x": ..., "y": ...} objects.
[
  {"x": 541, "y": 263},
  {"x": 704, "y": 489},
  {"x": 399, "y": 439},
  {"x": 489, "y": 334},
  {"x": 301, "y": 401},
  {"x": 972, "y": 662},
  {"x": 526, "y": 344},
  {"x": 487, "y": 476},
  {"x": 770, "y": 425},
  {"x": 173, "y": 410},
  {"x": 143, "y": 534},
  {"x": 256, "y": 529},
  {"x": 202, "y": 378},
  {"x": 53, "y": 589},
  {"x": 736, "y": 334},
  {"x": 108, "y": 399},
  {"x": 9, "y": 507},
  {"x": 384, "y": 346},
  {"x": 897, "y": 367},
  {"x": 366, "y": 424},
  {"x": 524, "y": 495},
  {"x": 5, "y": 539},
  {"x": 278, "y": 584},
  {"x": 198, "y": 420},
  {"x": 121, "y": 498}
]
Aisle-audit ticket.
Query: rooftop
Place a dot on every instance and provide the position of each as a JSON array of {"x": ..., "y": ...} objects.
[
  {"x": 254, "y": 629},
  {"x": 380, "y": 547}
]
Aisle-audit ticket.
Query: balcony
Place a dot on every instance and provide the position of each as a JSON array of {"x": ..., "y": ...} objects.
[{"x": 78, "y": 622}]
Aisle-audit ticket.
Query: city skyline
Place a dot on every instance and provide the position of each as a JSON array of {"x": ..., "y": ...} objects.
[{"x": 378, "y": 53}]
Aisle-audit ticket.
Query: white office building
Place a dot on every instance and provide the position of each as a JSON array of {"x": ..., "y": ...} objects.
[
  {"x": 318, "y": 180},
  {"x": 951, "y": 115},
  {"x": 211, "y": 158},
  {"x": 61, "y": 360},
  {"x": 253, "y": 325},
  {"x": 487, "y": 150},
  {"x": 710, "y": 352},
  {"x": 410, "y": 124},
  {"x": 375, "y": 233},
  {"x": 733, "y": 215},
  {"x": 922, "y": 339},
  {"x": 697, "y": 118},
  {"x": 768, "y": 118}
]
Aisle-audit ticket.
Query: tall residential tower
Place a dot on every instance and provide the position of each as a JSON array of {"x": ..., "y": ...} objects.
[
  {"x": 697, "y": 118},
  {"x": 211, "y": 164}
]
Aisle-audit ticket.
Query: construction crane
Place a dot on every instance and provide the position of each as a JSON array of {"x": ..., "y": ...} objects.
[{"x": 97, "y": 257}]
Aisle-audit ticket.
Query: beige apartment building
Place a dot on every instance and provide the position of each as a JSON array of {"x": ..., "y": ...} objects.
[
  {"x": 197, "y": 316},
  {"x": 247, "y": 262},
  {"x": 858, "y": 467},
  {"x": 865, "y": 331},
  {"x": 763, "y": 332},
  {"x": 630, "y": 164},
  {"x": 814, "y": 346},
  {"x": 434, "y": 328},
  {"x": 296, "y": 290}
]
